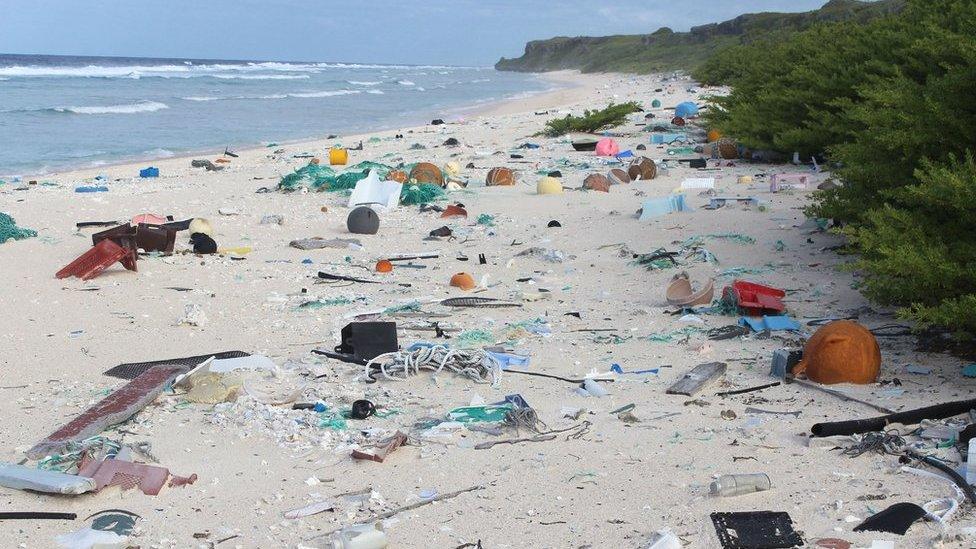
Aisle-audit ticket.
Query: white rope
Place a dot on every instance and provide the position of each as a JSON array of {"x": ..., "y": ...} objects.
[
  {"x": 474, "y": 364},
  {"x": 939, "y": 510}
]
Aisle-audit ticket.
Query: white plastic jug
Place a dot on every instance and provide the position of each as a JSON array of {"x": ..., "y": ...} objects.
[{"x": 360, "y": 536}]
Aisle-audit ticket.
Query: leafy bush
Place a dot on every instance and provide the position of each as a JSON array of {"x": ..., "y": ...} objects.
[
  {"x": 795, "y": 95},
  {"x": 893, "y": 104},
  {"x": 591, "y": 121},
  {"x": 922, "y": 251}
]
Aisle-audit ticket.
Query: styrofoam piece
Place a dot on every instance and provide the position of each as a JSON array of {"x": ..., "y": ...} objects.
[
  {"x": 698, "y": 183},
  {"x": 253, "y": 362},
  {"x": 27, "y": 478}
]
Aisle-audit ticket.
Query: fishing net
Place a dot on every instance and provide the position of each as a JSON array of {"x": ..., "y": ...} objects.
[
  {"x": 323, "y": 178},
  {"x": 382, "y": 170},
  {"x": 10, "y": 230},
  {"x": 421, "y": 194},
  {"x": 310, "y": 176}
]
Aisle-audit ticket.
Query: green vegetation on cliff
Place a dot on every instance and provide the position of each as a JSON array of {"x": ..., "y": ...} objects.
[{"x": 668, "y": 50}]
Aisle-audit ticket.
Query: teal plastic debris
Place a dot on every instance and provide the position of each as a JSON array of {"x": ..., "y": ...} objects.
[
  {"x": 470, "y": 339},
  {"x": 969, "y": 370},
  {"x": 698, "y": 240},
  {"x": 667, "y": 138},
  {"x": 488, "y": 413},
  {"x": 91, "y": 189},
  {"x": 677, "y": 335},
  {"x": 487, "y": 220},
  {"x": 656, "y": 207},
  {"x": 10, "y": 231}
]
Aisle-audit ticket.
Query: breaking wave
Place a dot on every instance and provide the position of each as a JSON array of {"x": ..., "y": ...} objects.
[
  {"x": 131, "y": 108},
  {"x": 324, "y": 93},
  {"x": 189, "y": 70}
]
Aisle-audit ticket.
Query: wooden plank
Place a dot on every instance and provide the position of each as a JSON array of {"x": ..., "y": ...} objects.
[
  {"x": 117, "y": 407},
  {"x": 698, "y": 378}
]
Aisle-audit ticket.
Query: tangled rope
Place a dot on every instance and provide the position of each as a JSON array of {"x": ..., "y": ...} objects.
[
  {"x": 891, "y": 443},
  {"x": 474, "y": 364}
]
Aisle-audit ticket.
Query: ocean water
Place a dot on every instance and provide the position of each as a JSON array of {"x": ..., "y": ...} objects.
[{"x": 58, "y": 112}]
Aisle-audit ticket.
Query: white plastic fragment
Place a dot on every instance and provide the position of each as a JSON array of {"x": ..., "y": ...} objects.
[
  {"x": 87, "y": 538},
  {"x": 26, "y": 478}
]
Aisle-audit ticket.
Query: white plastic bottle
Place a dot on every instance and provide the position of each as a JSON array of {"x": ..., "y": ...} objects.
[
  {"x": 360, "y": 536},
  {"x": 737, "y": 485}
]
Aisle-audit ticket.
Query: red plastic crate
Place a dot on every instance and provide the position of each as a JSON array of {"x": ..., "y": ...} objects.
[{"x": 91, "y": 263}]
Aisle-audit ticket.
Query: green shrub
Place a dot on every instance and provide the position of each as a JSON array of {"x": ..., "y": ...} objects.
[
  {"x": 591, "y": 121},
  {"x": 920, "y": 250},
  {"x": 893, "y": 104}
]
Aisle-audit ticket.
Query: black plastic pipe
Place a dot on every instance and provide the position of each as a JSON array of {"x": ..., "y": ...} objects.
[{"x": 910, "y": 417}]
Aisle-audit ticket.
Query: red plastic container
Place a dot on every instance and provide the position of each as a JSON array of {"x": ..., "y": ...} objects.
[
  {"x": 91, "y": 263},
  {"x": 755, "y": 299}
]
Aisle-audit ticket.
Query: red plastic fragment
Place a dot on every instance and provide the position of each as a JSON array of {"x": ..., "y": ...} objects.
[
  {"x": 91, "y": 263},
  {"x": 755, "y": 299},
  {"x": 128, "y": 475},
  {"x": 176, "y": 480}
]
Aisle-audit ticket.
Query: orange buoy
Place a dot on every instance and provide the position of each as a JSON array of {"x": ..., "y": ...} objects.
[
  {"x": 500, "y": 177},
  {"x": 384, "y": 266},
  {"x": 714, "y": 135},
  {"x": 841, "y": 352},
  {"x": 425, "y": 172},
  {"x": 597, "y": 182},
  {"x": 463, "y": 281}
]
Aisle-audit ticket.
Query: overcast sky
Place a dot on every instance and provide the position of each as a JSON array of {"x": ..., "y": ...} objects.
[{"x": 462, "y": 32}]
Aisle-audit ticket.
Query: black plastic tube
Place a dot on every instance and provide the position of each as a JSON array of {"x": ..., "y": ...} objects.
[
  {"x": 956, "y": 477},
  {"x": 910, "y": 417},
  {"x": 33, "y": 515}
]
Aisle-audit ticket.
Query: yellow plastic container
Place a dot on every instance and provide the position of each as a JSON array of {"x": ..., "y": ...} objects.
[
  {"x": 549, "y": 185},
  {"x": 338, "y": 157}
]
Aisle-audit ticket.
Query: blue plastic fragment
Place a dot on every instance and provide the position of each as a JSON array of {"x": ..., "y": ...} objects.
[
  {"x": 656, "y": 207},
  {"x": 91, "y": 189},
  {"x": 771, "y": 323},
  {"x": 508, "y": 360},
  {"x": 151, "y": 171}
]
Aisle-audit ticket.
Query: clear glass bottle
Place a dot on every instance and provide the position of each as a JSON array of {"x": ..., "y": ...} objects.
[{"x": 737, "y": 485}]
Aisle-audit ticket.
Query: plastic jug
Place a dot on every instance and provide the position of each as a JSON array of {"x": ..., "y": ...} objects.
[
  {"x": 737, "y": 485},
  {"x": 360, "y": 536}
]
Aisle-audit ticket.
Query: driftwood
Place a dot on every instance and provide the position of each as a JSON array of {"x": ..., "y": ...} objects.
[{"x": 698, "y": 378}]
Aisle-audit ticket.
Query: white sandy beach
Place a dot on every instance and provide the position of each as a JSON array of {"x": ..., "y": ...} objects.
[{"x": 611, "y": 487}]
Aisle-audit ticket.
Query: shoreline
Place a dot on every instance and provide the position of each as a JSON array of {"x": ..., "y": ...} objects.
[{"x": 566, "y": 83}]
